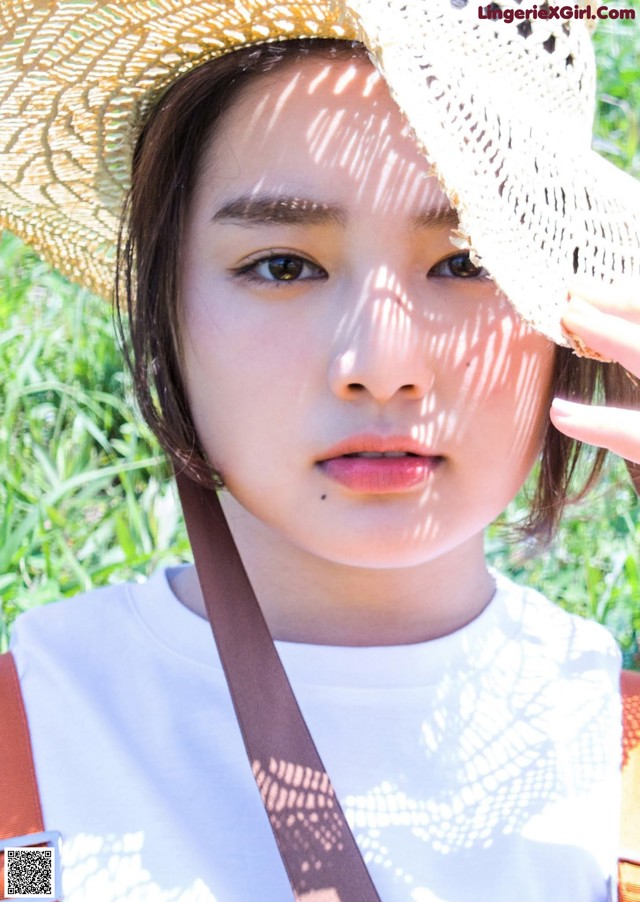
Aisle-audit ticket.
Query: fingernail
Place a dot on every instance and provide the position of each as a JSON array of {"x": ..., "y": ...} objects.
[
  {"x": 563, "y": 407},
  {"x": 577, "y": 306}
]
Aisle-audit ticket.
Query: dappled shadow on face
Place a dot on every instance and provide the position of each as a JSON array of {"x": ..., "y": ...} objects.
[{"x": 412, "y": 348}]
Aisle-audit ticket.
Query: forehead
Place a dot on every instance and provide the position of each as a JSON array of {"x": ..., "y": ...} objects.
[{"x": 327, "y": 129}]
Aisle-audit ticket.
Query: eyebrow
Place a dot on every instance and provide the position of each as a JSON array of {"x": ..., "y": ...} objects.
[
  {"x": 265, "y": 209},
  {"x": 442, "y": 218}
]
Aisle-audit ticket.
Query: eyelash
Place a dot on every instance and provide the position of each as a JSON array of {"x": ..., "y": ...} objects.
[
  {"x": 479, "y": 272},
  {"x": 248, "y": 272}
]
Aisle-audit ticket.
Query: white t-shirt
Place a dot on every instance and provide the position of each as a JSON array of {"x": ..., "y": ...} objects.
[{"x": 480, "y": 766}]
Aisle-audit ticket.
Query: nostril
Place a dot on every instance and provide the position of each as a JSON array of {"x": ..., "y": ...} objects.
[{"x": 355, "y": 386}]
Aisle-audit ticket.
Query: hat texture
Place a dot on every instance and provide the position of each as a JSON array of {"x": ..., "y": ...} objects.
[{"x": 503, "y": 111}]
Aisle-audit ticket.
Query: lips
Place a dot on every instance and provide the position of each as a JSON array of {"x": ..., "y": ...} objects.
[{"x": 370, "y": 464}]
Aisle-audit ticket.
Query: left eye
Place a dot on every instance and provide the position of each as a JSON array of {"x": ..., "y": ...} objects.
[
  {"x": 458, "y": 266},
  {"x": 281, "y": 268}
]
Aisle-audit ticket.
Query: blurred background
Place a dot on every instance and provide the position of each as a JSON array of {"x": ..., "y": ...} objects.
[{"x": 85, "y": 495}]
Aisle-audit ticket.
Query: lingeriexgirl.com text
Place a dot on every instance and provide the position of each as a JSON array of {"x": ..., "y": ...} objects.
[{"x": 494, "y": 12}]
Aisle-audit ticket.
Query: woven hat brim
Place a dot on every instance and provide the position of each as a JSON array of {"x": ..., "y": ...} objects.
[
  {"x": 541, "y": 210},
  {"x": 537, "y": 206},
  {"x": 75, "y": 82}
]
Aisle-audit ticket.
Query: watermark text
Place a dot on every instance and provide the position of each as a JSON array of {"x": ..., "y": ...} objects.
[{"x": 494, "y": 12}]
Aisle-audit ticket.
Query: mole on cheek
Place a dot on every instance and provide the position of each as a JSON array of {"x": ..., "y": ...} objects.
[{"x": 322, "y": 497}]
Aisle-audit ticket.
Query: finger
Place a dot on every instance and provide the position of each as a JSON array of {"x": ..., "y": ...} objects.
[
  {"x": 607, "y": 427},
  {"x": 610, "y": 335},
  {"x": 624, "y": 303}
]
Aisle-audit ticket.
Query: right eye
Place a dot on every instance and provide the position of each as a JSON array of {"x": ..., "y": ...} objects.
[
  {"x": 279, "y": 268},
  {"x": 458, "y": 266}
]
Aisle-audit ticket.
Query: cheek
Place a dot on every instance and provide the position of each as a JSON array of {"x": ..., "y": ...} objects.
[
  {"x": 249, "y": 335},
  {"x": 506, "y": 382},
  {"x": 245, "y": 371}
]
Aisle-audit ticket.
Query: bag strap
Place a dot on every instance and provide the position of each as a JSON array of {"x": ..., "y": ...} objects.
[
  {"x": 314, "y": 839},
  {"x": 629, "y": 866},
  {"x": 20, "y": 810},
  {"x": 322, "y": 864},
  {"x": 318, "y": 850}
]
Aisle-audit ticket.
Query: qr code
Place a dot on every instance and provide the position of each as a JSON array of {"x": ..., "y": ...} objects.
[{"x": 29, "y": 872}]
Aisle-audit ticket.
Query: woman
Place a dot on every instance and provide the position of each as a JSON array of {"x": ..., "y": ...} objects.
[{"x": 313, "y": 328}]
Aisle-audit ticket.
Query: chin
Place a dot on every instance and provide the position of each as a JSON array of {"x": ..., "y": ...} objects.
[{"x": 372, "y": 553}]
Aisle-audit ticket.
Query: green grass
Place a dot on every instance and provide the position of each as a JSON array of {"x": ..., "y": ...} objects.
[
  {"x": 617, "y": 127},
  {"x": 86, "y": 498},
  {"x": 592, "y": 567}
]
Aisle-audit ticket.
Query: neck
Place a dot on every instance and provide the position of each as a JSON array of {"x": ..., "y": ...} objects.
[{"x": 305, "y": 598}]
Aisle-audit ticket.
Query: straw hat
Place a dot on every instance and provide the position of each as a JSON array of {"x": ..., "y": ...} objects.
[{"x": 502, "y": 109}]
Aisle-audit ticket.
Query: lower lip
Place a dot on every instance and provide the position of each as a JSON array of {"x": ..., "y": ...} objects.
[{"x": 380, "y": 475}]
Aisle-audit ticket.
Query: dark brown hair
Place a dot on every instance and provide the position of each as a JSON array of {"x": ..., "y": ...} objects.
[
  {"x": 166, "y": 161},
  {"x": 165, "y": 165}
]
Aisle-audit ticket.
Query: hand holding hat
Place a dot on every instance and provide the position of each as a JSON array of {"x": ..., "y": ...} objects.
[
  {"x": 610, "y": 326},
  {"x": 504, "y": 115}
]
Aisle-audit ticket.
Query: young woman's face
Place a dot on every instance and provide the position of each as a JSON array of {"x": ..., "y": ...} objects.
[{"x": 361, "y": 386}]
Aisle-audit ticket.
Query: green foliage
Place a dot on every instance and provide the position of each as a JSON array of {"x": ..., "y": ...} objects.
[
  {"x": 592, "y": 567},
  {"x": 86, "y": 499},
  {"x": 617, "y": 125}
]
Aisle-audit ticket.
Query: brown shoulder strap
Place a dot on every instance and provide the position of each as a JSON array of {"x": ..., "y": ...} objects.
[
  {"x": 629, "y": 870},
  {"x": 20, "y": 811},
  {"x": 319, "y": 852},
  {"x": 317, "y": 847}
]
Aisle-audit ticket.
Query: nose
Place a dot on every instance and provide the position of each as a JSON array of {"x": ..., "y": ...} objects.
[{"x": 381, "y": 345}]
